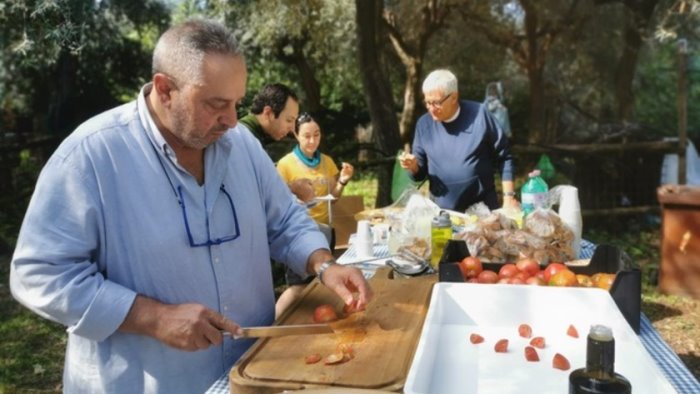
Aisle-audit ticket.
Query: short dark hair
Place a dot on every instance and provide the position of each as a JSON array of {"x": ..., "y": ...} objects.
[{"x": 273, "y": 95}]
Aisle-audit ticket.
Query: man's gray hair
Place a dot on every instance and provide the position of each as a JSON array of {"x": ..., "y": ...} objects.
[
  {"x": 442, "y": 80},
  {"x": 180, "y": 50}
]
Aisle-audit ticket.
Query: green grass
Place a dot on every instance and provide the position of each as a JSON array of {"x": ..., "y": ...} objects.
[
  {"x": 365, "y": 185},
  {"x": 31, "y": 348}
]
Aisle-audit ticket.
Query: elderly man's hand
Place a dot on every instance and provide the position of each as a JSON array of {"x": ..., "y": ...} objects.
[
  {"x": 408, "y": 162},
  {"x": 345, "y": 282},
  {"x": 303, "y": 189}
]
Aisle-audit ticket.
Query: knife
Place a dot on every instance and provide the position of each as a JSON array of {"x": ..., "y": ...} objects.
[{"x": 281, "y": 331}]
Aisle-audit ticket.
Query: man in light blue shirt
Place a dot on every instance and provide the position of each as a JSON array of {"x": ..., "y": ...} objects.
[{"x": 151, "y": 229}]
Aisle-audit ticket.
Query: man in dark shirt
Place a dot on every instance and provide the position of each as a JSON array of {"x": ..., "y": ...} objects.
[
  {"x": 459, "y": 146},
  {"x": 272, "y": 117}
]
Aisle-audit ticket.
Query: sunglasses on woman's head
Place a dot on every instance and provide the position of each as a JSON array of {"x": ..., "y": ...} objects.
[{"x": 304, "y": 117}]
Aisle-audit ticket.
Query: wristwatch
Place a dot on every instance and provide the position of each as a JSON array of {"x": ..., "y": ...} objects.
[
  {"x": 509, "y": 194},
  {"x": 324, "y": 266}
]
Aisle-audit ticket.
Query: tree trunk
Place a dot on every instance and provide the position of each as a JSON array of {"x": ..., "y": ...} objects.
[
  {"x": 635, "y": 27},
  {"x": 377, "y": 89},
  {"x": 311, "y": 86},
  {"x": 411, "y": 101},
  {"x": 534, "y": 64}
]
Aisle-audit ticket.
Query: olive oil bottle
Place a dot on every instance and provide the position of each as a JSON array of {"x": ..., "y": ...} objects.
[{"x": 599, "y": 374}]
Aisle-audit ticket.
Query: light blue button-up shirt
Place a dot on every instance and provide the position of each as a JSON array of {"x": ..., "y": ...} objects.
[{"x": 104, "y": 224}]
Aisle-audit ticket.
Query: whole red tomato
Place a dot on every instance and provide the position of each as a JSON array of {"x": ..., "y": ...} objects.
[
  {"x": 552, "y": 269},
  {"x": 564, "y": 278},
  {"x": 507, "y": 271},
  {"x": 471, "y": 267},
  {"x": 528, "y": 265},
  {"x": 487, "y": 276},
  {"x": 325, "y": 313}
]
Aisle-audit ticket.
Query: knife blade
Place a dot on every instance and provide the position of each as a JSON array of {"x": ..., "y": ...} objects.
[{"x": 280, "y": 331}]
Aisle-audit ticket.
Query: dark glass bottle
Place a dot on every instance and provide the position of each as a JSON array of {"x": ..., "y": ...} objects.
[{"x": 599, "y": 375}]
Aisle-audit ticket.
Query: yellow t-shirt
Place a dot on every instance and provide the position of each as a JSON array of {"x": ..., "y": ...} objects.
[{"x": 323, "y": 178}]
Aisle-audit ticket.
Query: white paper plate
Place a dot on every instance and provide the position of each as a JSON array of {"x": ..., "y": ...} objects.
[{"x": 447, "y": 362}]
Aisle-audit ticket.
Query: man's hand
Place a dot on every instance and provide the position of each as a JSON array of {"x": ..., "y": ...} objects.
[
  {"x": 408, "y": 162},
  {"x": 183, "y": 326},
  {"x": 345, "y": 282},
  {"x": 303, "y": 189},
  {"x": 510, "y": 202}
]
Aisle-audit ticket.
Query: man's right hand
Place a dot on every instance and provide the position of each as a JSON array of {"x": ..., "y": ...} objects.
[
  {"x": 303, "y": 189},
  {"x": 408, "y": 162},
  {"x": 182, "y": 326}
]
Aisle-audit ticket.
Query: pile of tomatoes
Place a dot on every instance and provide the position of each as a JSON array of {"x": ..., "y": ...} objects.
[{"x": 527, "y": 271}]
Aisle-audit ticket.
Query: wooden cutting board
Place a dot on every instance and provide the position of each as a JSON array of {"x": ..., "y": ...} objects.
[{"x": 383, "y": 338}]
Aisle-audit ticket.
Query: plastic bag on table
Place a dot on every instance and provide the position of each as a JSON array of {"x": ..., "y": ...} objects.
[{"x": 409, "y": 218}]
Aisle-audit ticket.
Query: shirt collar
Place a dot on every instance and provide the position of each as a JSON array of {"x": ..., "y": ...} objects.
[
  {"x": 149, "y": 124},
  {"x": 452, "y": 119}
]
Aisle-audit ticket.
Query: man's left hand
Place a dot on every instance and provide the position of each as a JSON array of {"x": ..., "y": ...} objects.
[{"x": 345, "y": 282}]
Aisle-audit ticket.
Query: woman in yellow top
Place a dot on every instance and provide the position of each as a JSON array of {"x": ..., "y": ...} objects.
[{"x": 307, "y": 162}]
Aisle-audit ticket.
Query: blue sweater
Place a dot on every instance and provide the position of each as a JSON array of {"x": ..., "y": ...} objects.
[{"x": 460, "y": 158}]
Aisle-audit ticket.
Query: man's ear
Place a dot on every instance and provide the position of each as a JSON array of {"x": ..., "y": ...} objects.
[
  {"x": 268, "y": 112},
  {"x": 163, "y": 87}
]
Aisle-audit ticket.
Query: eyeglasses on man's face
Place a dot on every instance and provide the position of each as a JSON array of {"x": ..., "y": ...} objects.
[
  {"x": 209, "y": 241},
  {"x": 438, "y": 103}
]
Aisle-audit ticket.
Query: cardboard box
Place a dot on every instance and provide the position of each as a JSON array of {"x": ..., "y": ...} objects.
[
  {"x": 344, "y": 222},
  {"x": 680, "y": 249}
]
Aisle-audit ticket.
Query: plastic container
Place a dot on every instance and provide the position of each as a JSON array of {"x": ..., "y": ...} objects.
[
  {"x": 626, "y": 290},
  {"x": 440, "y": 233},
  {"x": 533, "y": 194},
  {"x": 570, "y": 214}
]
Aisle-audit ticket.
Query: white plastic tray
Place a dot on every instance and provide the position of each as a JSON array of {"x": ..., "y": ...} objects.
[{"x": 447, "y": 362}]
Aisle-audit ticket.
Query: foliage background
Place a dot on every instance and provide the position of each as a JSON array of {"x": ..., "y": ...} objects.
[{"x": 62, "y": 61}]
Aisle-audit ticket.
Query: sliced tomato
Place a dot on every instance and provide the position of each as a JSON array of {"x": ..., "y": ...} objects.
[
  {"x": 531, "y": 354},
  {"x": 525, "y": 331},
  {"x": 312, "y": 358},
  {"x": 325, "y": 313},
  {"x": 335, "y": 358},
  {"x": 572, "y": 331},
  {"x": 476, "y": 338},
  {"x": 560, "y": 362},
  {"x": 537, "y": 342},
  {"x": 501, "y": 346},
  {"x": 353, "y": 307}
]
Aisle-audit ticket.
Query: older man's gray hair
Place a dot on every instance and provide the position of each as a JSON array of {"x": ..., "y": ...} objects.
[
  {"x": 440, "y": 80},
  {"x": 180, "y": 50}
]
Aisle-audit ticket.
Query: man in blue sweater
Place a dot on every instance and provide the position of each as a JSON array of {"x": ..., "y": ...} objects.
[{"x": 459, "y": 146}]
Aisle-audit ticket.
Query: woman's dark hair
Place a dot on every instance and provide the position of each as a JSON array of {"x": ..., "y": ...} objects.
[
  {"x": 304, "y": 117},
  {"x": 275, "y": 96}
]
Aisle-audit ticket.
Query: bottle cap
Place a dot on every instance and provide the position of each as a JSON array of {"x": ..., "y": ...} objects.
[
  {"x": 442, "y": 220},
  {"x": 601, "y": 333}
]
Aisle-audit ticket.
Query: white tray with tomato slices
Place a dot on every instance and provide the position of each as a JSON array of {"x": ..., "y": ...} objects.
[{"x": 446, "y": 361}]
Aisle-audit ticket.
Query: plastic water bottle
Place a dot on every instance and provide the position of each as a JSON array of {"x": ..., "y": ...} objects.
[{"x": 533, "y": 194}]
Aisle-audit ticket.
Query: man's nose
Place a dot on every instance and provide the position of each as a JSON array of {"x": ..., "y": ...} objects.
[{"x": 229, "y": 118}]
